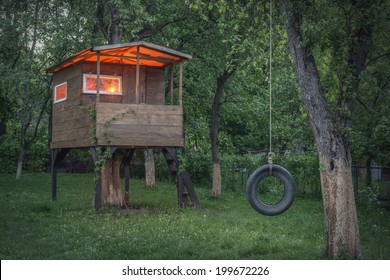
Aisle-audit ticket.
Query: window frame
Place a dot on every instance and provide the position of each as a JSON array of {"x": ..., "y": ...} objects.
[
  {"x": 102, "y": 92},
  {"x": 55, "y": 92}
]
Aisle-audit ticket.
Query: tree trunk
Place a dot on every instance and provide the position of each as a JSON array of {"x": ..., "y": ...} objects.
[
  {"x": 216, "y": 175},
  {"x": 112, "y": 192},
  {"x": 150, "y": 173},
  {"x": 368, "y": 178},
  {"x": 214, "y": 126},
  {"x": 112, "y": 31},
  {"x": 3, "y": 129},
  {"x": 334, "y": 156},
  {"x": 23, "y": 148},
  {"x": 21, "y": 158}
]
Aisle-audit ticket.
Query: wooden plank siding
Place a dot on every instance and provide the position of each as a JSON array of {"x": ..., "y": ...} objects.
[
  {"x": 70, "y": 123},
  {"x": 71, "y": 128},
  {"x": 139, "y": 125},
  {"x": 151, "y": 84},
  {"x": 155, "y": 86}
]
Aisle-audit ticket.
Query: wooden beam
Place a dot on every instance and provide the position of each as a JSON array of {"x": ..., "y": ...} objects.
[
  {"x": 171, "y": 82},
  {"x": 57, "y": 155},
  {"x": 180, "y": 191},
  {"x": 142, "y": 57},
  {"x": 53, "y": 174},
  {"x": 190, "y": 190},
  {"x": 137, "y": 79},
  {"x": 98, "y": 77},
  {"x": 143, "y": 44},
  {"x": 180, "y": 83}
]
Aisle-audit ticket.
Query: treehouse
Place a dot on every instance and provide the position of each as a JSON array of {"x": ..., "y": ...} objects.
[
  {"x": 115, "y": 95},
  {"x": 118, "y": 97}
]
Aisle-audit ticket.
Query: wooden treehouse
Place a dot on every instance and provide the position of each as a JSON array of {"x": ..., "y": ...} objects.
[{"x": 114, "y": 97}]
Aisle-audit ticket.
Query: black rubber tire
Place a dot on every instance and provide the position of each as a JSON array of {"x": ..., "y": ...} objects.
[{"x": 254, "y": 181}]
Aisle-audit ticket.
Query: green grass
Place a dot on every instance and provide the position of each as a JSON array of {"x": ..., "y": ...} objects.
[{"x": 33, "y": 227}]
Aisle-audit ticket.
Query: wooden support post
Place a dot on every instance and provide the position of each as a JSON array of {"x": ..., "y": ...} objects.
[
  {"x": 190, "y": 189},
  {"x": 171, "y": 82},
  {"x": 137, "y": 79},
  {"x": 98, "y": 186},
  {"x": 180, "y": 83},
  {"x": 180, "y": 191},
  {"x": 128, "y": 156},
  {"x": 54, "y": 174},
  {"x": 57, "y": 155},
  {"x": 98, "y": 77}
]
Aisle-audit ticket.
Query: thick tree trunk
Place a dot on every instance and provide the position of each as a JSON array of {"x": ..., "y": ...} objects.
[
  {"x": 150, "y": 173},
  {"x": 112, "y": 192},
  {"x": 335, "y": 161},
  {"x": 111, "y": 171},
  {"x": 214, "y": 126}
]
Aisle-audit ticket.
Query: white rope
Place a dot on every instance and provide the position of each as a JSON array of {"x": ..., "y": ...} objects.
[{"x": 270, "y": 154}]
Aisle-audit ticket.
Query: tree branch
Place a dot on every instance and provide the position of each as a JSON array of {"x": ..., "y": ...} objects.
[
  {"x": 149, "y": 31},
  {"x": 372, "y": 60},
  {"x": 48, "y": 96}
]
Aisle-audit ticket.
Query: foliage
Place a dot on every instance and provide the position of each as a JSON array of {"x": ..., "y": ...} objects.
[
  {"x": 219, "y": 34},
  {"x": 37, "y": 157}
]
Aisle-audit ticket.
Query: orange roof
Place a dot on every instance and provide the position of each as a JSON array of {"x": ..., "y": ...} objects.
[{"x": 126, "y": 53}]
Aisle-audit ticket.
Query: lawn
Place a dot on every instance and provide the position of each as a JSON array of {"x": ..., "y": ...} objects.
[{"x": 33, "y": 227}]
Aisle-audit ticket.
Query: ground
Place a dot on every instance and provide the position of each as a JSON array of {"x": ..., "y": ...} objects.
[{"x": 33, "y": 227}]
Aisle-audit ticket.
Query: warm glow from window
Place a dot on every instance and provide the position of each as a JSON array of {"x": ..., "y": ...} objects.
[
  {"x": 108, "y": 84},
  {"x": 60, "y": 92}
]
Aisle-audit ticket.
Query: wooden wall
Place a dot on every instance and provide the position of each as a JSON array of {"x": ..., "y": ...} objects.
[
  {"x": 139, "y": 125},
  {"x": 158, "y": 126},
  {"x": 151, "y": 84},
  {"x": 70, "y": 124}
]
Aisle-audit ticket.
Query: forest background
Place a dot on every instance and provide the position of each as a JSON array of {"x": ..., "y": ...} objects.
[{"x": 226, "y": 85}]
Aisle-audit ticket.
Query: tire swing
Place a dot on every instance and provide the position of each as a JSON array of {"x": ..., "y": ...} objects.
[{"x": 253, "y": 189}]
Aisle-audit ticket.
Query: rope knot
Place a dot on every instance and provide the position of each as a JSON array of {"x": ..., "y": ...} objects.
[{"x": 270, "y": 156}]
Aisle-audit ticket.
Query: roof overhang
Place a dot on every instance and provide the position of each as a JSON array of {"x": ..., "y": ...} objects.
[{"x": 127, "y": 53}]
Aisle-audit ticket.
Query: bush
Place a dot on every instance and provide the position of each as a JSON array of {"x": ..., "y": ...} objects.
[
  {"x": 9, "y": 151},
  {"x": 198, "y": 164},
  {"x": 303, "y": 167},
  {"x": 38, "y": 155}
]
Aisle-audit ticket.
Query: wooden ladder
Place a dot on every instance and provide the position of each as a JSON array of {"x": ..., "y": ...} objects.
[{"x": 185, "y": 190}]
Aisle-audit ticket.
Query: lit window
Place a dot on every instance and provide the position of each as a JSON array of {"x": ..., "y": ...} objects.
[
  {"x": 108, "y": 84},
  {"x": 60, "y": 92}
]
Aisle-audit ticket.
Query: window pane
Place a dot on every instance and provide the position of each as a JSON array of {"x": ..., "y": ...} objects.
[
  {"x": 60, "y": 92},
  {"x": 108, "y": 85},
  {"x": 90, "y": 83}
]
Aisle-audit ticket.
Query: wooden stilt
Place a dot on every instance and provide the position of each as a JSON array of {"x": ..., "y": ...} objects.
[
  {"x": 190, "y": 190},
  {"x": 137, "y": 78},
  {"x": 53, "y": 174},
  {"x": 57, "y": 155},
  {"x": 185, "y": 189},
  {"x": 180, "y": 83},
  {"x": 171, "y": 83},
  {"x": 180, "y": 191},
  {"x": 128, "y": 156}
]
